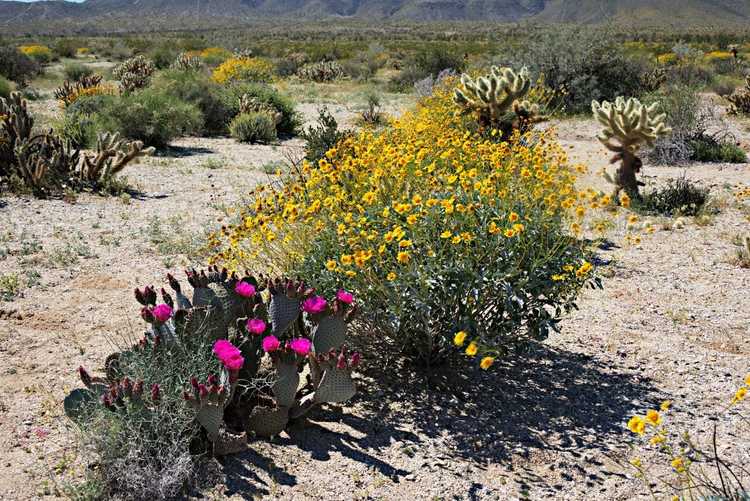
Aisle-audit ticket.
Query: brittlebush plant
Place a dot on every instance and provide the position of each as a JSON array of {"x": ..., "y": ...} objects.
[
  {"x": 251, "y": 69},
  {"x": 449, "y": 234},
  {"x": 698, "y": 472}
]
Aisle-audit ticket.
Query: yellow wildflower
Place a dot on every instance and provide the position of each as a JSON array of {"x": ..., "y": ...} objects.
[
  {"x": 472, "y": 349},
  {"x": 486, "y": 362},
  {"x": 459, "y": 338},
  {"x": 637, "y": 425},
  {"x": 403, "y": 257},
  {"x": 653, "y": 418}
]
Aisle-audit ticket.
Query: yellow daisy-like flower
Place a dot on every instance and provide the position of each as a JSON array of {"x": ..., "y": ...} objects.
[
  {"x": 472, "y": 349},
  {"x": 558, "y": 278},
  {"x": 747, "y": 380},
  {"x": 637, "y": 425},
  {"x": 404, "y": 244},
  {"x": 493, "y": 229},
  {"x": 486, "y": 362},
  {"x": 403, "y": 257},
  {"x": 369, "y": 197},
  {"x": 456, "y": 239},
  {"x": 653, "y": 418},
  {"x": 510, "y": 233},
  {"x": 391, "y": 276},
  {"x": 330, "y": 265},
  {"x": 740, "y": 395},
  {"x": 678, "y": 464},
  {"x": 665, "y": 405},
  {"x": 636, "y": 462},
  {"x": 656, "y": 440},
  {"x": 446, "y": 234},
  {"x": 625, "y": 200},
  {"x": 351, "y": 273},
  {"x": 513, "y": 217},
  {"x": 459, "y": 338},
  {"x": 347, "y": 259}
]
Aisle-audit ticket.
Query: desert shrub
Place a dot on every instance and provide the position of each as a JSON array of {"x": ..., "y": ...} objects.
[
  {"x": 322, "y": 136},
  {"x": 690, "y": 120},
  {"x": 39, "y": 53},
  {"x": 6, "y": 87},
  {"x": 163, "y": 55},
  {"x": 196, "y": 88},
  {"x": 91, "y": 85},
  {"x": 185, "y": 62},
  {"x": 77, "y": 128},
  {"x": 253, "y": 127},
  {"x": 708, "y": 148},
  {"x": 426, "y": 86},
  {"x": 679, "y": 197},
  {"x": 585, "y": 65},
  {"x": 288, "y": 65},
  {"x": 740, "y": 99},
  {"x": 134, "y": 73},
  {"x": 150, "y": 116},
  {"x": 436, "y": 59},
  {"x": 404, "y": 80},
  {"x": 322, "y": 71},
  {"x": 17, "y": 66},
  {"x": 447, "y": 236},
  {"x": 263, "y": 94},
  {"x": 65, "y": 47},
  {"x": 244, "y": 70},
  {"x": 214, "y": 56},
  {"x": 75, "y": 71}
]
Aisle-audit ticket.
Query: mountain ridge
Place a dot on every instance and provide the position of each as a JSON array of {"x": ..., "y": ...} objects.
[{"x": 574, "y": 11}]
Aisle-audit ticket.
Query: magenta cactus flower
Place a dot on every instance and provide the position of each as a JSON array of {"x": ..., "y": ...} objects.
[
  {"x": 315, "y": 304},
  {"x": 300, "y": 346},
  {"x": 162, "y": 312},
  {"x": 244, "y": 289},
  {"x": 345, "y": 297},
  {"x": 256, "y": 326},
  {"x": 355, "y": 359},
  {"x": 270, "y": 343},
  {"x": 229, "y": 355}
]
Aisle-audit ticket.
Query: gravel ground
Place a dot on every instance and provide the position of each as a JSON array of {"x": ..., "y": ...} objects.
[{"x": 671, "y": 323}]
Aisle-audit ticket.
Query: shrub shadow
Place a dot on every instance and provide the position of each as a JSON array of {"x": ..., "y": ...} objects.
[
  {"x": 182, "y": 151},
  {"x": 547, "y": 399}
]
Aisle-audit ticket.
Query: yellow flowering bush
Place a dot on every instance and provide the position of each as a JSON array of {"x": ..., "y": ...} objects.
[
  {"x": 253, "y": 69},
  {"x": 436, "y": 226},
  {"x": 698, "y": 471},
  {"x": 39, "y": 53},
  {"x": 102, "y": 89},
  {"x": 212, "y": 55}
]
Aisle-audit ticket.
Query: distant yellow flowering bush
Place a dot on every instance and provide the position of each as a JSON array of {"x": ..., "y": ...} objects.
[
  {"x": 83, "y": 51},
  {"x": 102, "y": 89},
  {"x": 700, "y": 471},
  {"x": 252, "y": 69},
  {"x": 40, "y": 53},
  {"x": 438, "y": 228},
  {"x": 718, "y": 55},
  {"x": 668, "y": 58}
]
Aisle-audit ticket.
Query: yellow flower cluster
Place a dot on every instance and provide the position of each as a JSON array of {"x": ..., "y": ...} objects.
[
  {"x": 103, "y": 89},
  {"x": 252, "y": 69},
  {"x": 38, "y": 52},
  {"x": 425, "y": 192},
  {"x": 718, "y": 55}
]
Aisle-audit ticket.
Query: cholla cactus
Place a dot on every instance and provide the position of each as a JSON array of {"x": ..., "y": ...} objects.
[
  {"x": 498, "y": 100},
  {"x": 740, "y": 99},
  {"x": 628, "y": 124},
  {"x": 250, "y": 104},
  {"x": 187, "y": 62},
  {"x": 112, "y": 154},
  {"x": 323, "y": 71},
  {"x": 134, "y": 73},
  {"x": 70, "y": 91}
]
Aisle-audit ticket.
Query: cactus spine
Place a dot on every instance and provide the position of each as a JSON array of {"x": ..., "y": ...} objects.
[{"x": 628, "y": 124}]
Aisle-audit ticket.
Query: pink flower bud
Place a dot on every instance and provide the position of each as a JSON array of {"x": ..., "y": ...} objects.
[
  {"x": 270, "y": 343},
  {"x": 256, "y": 326},
  {"x": 212, "y": 379},
  {"x": 147, "y": 314},
  {"x": 344, "y": 297},
  {"x": 244, "y": 289},
  {"x": 155, "y": 392},
  {"x": 138, "y": 389},
  {"x": 202, "y": 391},
  {"x": 341, "y": 363},
  {"x": 354, "y": 361},
  {"x": 194, "y": 382},
  {"x": 85, "y": 376},
  {"x": 187, "y": 396}
]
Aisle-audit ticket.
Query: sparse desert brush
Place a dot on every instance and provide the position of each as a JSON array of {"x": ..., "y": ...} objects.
[
  {"x": 244, "y": 70},
  {"x": 436, "y": 225},
  {"x": 697, "y": 459},
  {"x": 39, "y": 53},
  {"x": 213, "y": 56},
  {"x": 253, "y": 127},
  {"x": 210, "y": 370}
]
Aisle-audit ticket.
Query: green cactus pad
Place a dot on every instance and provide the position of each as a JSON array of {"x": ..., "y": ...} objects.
[
  {"x": 336, "y": 386},
  {"x": 77, "y": 400},
  {"x": 267, "y": 422},
  {"x": 329, "y": 333},
  {"x": 287, "y": 382},
  {"x": 211, "y": 416},
  {"x": 283, "y": 311}
]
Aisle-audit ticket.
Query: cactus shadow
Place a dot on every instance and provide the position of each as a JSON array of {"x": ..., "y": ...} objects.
[
  {"x": 549, "y": 399},
  {"x": 241, "y": 477}
]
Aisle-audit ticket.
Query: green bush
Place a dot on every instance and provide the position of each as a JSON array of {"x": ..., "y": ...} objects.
[
  {"x": 65, "y": 47},
  {"x": 585, "y": 64},
  {"x": 163, "y": 55},
  {"x": 253, "y": 128},
  {"x": 150, "y": 116},
  {"x": 197, "y": 88},
  {"x": 16, "y": 66},
  {"x": 322, "y": 137},
  {"x": 78, "y": 128},
  {"x": 679, "y": 197},
  {"x": 434, "y": 60},
  {"x": 6, "y": 87},
  {"x": 290, "y": 120},
  {"x": 76, "y": 71},
  {"x": 710, "y": 149}
]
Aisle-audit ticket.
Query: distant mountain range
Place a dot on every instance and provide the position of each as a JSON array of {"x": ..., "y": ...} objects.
[{"x": 655, "y": 12}]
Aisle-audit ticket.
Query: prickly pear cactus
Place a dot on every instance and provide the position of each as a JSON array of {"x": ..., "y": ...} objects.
[{"x": 268, "y": 422}]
